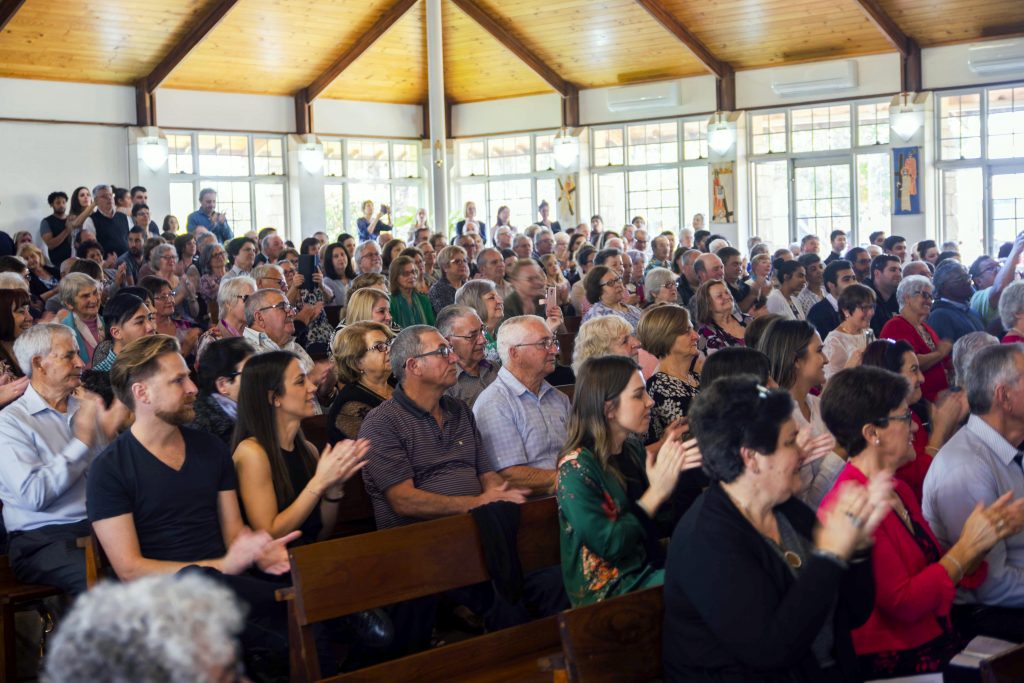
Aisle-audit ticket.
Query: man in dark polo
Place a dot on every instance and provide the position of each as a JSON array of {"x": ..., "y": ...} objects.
[{"x": 427, "y": 461}]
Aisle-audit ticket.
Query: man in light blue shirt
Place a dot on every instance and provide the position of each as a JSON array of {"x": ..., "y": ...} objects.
[
  {"x": 980, "y": 463},
  {"x": 522, "y": 419},
  {"x": 48, "y": 438},
  {"x": 208, "y": 217}
]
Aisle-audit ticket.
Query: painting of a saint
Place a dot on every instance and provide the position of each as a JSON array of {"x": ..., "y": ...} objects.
[
  {"x": 723, "y": 192},
  {"x": 906, "y": 198}
]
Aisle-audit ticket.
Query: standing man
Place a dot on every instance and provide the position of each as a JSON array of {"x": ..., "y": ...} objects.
[
  {"x": 810, "y": 244},
  {"x": 743, "y": 294},
  {"x": 141, "y": 196},
  {"x": 838, "y": 241},
  {"x": 886, "y": 274},
  {"x": 877, "y": 238},
  {"x": 108, "y": 224},
  {"x": 55, "y": 231},
  {"x": 824, "y": 315},
  {"x": 208, "y": 217},
  {"x": 895, "y": 245},
  {"x": 661, "y": 254},
  {"x": 860, "y": 259},
  {"x": 141, "y": 218}
]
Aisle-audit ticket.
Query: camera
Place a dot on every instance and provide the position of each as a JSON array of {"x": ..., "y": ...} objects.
[{"x": 384, "y": 210}]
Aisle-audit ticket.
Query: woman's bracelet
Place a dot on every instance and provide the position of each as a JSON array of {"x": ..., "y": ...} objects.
[
  {"x": 336, "y": 499},
  {"x": 959, "y": 567}
]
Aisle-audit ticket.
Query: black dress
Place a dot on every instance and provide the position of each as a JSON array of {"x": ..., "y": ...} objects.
[{"x": 300, "y": 474}]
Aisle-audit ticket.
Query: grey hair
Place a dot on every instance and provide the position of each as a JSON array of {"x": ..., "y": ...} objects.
[
  {"x": 513, "y": 331},
  {"x": 1011, "y": 303},
  {"x": 543, "y": 231},
  {"x": 96, "y": 190},
  {"x": 484, "y": 253},
  {"x": 358, "y": 253},
  {"x": 256, "y": 301},
  {"x": 447, "y": 254},
  {"x": 595, "y": 336},
  {"x": 519, "y": 239},
  {"x": 406, "y": 345},
  {"x": 37, "y": 341},
  {"x": 72, "y": 284},
  {"x": 265, "y": 242},
  {"x": 914, "y": 265},
  {"x": 472, "y": 294},
  {"x": 686, "y": 231},
  {"x": 447, "y": 316},
  {"x": 205, "y": 191},
  {"x": 718, "y": 244},
  {"x": 168, "y": 628},
  {"x": 11, "y": 280},
  {"x": 946, "y": 271},
  {"x": 991, "y": 367},
  {"x": 158, "y": 252},
  {"x": 964, "y": 350},
  {"x": 656, "y": 279},
  {"x": 911, "y": 286},
  {"x": 229, "y": 289},
  {"x": 261, "y": 271}
]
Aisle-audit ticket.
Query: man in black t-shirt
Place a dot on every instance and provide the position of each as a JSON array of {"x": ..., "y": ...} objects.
[{"x": 55, "y": 231}]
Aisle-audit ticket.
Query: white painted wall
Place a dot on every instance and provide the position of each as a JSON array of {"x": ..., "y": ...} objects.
[
  {"x": 697, "y": 96},
  {"x": 876, "y": 75},
  {"x": 347, "y": 118},
  {"x": 536, "y": 112},
  {"x": 57, "y": 101},
  {"x": 190, "y": 109},
  {"x": 946, "y": 67}
]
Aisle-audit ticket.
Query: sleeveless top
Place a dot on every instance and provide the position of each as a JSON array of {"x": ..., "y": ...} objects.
[{"x": 300, "y": 476}]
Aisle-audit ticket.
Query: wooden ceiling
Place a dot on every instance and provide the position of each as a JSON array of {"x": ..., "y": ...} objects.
[{"x": 281, "y": 47}]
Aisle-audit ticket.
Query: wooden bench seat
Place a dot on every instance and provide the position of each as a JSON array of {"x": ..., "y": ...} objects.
[
  {"x": 355, "y": 512},
  {"x": 14, "y": 597}
]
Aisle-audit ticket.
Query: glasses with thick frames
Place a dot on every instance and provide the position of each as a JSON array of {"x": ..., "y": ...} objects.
[{"x": 548, "y": 343}]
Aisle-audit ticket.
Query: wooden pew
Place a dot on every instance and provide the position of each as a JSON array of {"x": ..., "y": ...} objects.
[
  {"x": 97, "y": 566},
  {"x": 1005, "y": 668},
  {"x": 15, "y": 597},
  {"x": 348, "y": 575},
  {"x": 567, "y": 343},
  {"x": 333, "y": 314},
  {"x": 572, "y": 323},
  {"x": 355, "y": 511},
  {"x": 567, "y": 389},
  {"x": 616, "y": 640}
]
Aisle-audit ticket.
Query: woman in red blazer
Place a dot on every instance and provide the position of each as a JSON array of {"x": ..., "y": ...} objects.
[
  {"x": 915, "y": 298},
  {"x": 909, "y": 631}
]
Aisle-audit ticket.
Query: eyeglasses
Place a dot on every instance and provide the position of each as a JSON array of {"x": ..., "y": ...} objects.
[
  {"x": 380, "y": 347},
  {"x": 867, "y": 308},
  {"x": 612, "y": 282},
  {"x": 906, "y": 418},
  {"x": 547, "y": 343},
  {"x": 472, "y": 336},
  {"x": 283, "y": 306},
  {"x": 444, "y": 351},
  {"x": 926, "y": 296},
  {"x": 281, "y": 283},
  {"x": 163, "y": 297}
]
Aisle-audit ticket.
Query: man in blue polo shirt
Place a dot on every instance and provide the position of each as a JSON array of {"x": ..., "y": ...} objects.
[{"x": 208, "y": 217}]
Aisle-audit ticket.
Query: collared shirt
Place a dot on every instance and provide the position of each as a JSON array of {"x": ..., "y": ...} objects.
[
  {"x": 977, "y": 465},
  {"x": 468, "y": 387},
  {"x": 131, "y": 267},
  {"x": 519, "y": 427},
  {"x": 42, "y": 480},
  {"x": 953, "y": 319},
  {"x": 221, "y": 230},
  {"x": 655, "y": 263},
  {"x": 262, "y": 343},
  {"x": 824, "y": 315},
  {"x": 235, "y": 271},
  {"x": 406, "y": 443},
  {"x": 107, "y": 362}
]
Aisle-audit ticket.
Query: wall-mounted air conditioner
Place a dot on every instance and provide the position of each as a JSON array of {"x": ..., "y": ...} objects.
[
  {"x": 997, "y": 57},
  {"x": 644, "y": 96},
  {"x": 819, "y": 78}
]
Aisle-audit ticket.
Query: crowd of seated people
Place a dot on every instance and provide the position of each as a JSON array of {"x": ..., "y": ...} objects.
[{"x": 816, "y": 458}]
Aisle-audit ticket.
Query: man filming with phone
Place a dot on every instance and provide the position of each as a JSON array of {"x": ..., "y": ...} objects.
[{"x": 208, "y": 217}]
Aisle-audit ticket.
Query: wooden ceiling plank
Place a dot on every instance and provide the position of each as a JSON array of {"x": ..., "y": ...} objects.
[
  {"x": 512, "y": 44},
  {"x": 893, "y": 33},
  {"x": 8, "y": 8},
  {"x": 366, "y": 39},
  {"x": 716, "y": 66},
  {"x": 180, "y": 51}
]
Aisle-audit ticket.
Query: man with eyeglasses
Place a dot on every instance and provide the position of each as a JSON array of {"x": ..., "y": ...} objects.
[
  {"x": 368, "y": 258},
  {"x": 522, "y": 418},
  {"x": 990, "y": 279},
  {"x": 491, "y": 266},
  {"x": 951, "y": 316},
  {"x": 462, "y": 327},
  {"x": 860, "y": 260}
]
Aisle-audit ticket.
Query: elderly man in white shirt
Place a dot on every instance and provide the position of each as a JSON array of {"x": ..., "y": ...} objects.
[{"x": 48, "y": 438}]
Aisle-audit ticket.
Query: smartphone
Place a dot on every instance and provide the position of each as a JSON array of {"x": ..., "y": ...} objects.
[{"x": 308, "y": 264}]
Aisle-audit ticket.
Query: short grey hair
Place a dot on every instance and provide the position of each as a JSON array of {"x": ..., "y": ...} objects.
[
  {"x": 406, "y": 345},
  {"x": 236, "y": 286},
  {"x": 96, "y": 190},
  {"x": 656, "y": 279},
  {"x": 946, "y": 271},
  {"x": 448, "y": 315},
  {"x": 72, "y": 284},
  {"x": 358, "y": 253},
  {"x": 686, "y": 232},
  {"x": 911, "y": 286},
  {"x": 991, "y": 367},
  {"x": 513, "y": 331},
  {"x": 258, "y": 300},
  {"x": 11, "y": 280},
  {"x": 172, "y": 628},
  {"x": 1011, "y": 303},
  {"x": 472, "y": 294},
  {"x": 205, "y": 191},
  {"x": 964, "y": 350},
  {"x": 447, "y": 254},
  {"x": 265, "y": 242},
  {"x": 543, "y": 231},
  {"x": 158, "y": 252},
  {"x": 484, "y": 253},
  {"x": 519, "y": 239},
  {"x": 263, "y": 270},
  {"x": 595, "y": 336},
  {"x": 37, "y": 341}
]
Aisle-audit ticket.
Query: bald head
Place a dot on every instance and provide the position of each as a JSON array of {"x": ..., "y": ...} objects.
[{"x": 709, "y": 267}]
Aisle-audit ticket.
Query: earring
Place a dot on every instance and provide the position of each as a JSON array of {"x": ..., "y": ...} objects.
[{"x": 878, "y": 441}]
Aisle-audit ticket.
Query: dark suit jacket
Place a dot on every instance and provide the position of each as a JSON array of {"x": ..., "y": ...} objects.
[
  {"x": 483, "y": 229},
  {"x": 735, "y": 613},
  {"x": 823, "y": 317}
]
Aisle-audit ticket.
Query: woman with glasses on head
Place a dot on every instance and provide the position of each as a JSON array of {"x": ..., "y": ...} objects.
[
  {"x": 605, "y": 292},
  {"x": 362, "y": 361},
  {"x": 219, "y": 380},
  {"x": 844, "y": 345},
  {"x": 909, "y": 631},
  {"x": 609, "y": 489},
  {"x": 408, "y": 305},
  {"x": 915, "y": 296}
]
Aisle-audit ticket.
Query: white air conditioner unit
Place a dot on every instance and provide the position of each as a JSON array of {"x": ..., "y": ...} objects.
[
  {"x": 820, "y": 78},
  {"x": 997, "y": 57},
  {"x": 644, "y": 96}
]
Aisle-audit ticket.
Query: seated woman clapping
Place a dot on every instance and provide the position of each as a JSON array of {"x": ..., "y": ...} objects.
[
  {"x": 609, "y": 489},
  {"x": 909, "y": 632},
  {"x": 282, "y": 483},
  {"x": 753, "y": 591}
]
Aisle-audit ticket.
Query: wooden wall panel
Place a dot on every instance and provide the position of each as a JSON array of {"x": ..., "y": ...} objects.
[
  {"x": 100, "y": 41},
  {"x": 938, "y": 22}
]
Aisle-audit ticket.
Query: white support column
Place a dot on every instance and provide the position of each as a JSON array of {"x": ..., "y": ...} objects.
[
  {"x": 436, "y": 110},
  {"x": 306, "y": 206},
  {"x": 147, "y": 166}
]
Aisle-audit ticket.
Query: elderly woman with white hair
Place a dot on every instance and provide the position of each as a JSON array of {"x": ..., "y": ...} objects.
[
  {"x": 608, "y": 335},
  {"x": 1011, "y": 312},
  {"x": 915, "y": 297},
  {"x": 231, "y": 298},
  {"x": 660, "y": 287},
  {"x": 80, "y": 294},
  {"x": 483, "y": 297}
]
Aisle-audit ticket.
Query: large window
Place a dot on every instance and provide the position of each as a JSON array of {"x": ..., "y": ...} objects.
[
  {"x": 517, "y": 171},
  {"x": 981, "y": 166},
  {"x": 247, "y": 172},
  {"x": 381, "y": 171},
  {"x": 657, "y": 170},
  {"x": 820, "y": 168}
]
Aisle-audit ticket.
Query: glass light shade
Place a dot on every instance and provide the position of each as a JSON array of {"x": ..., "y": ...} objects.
[
  {"x": 311, "y": 157},
  {"x": 152, "y": 152},
  {"x": 566, "y": 150},
  {"x": 721, "y": 136}
]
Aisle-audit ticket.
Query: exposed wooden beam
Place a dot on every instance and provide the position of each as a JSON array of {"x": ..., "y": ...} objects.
[
  {"x": 725, "y": 93},
  {"x": 362, "y": 44},
  {"x": 8, "y": 8},
  {"x": 303, "y": 114},
  {"x": 145, "y": 105},
  {"x": 893, "y": 33},
  {"x": 910, "y": 68},
  {"x": 196, "y": 34},
  {"x": 512, "y": 44},
  {"x": 571, "y": 109},
  {"x": 716, "y": 66}
]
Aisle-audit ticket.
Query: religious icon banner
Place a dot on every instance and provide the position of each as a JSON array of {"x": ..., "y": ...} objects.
[
  {"x": 906, "y": 198},
  {"x": 723, "y": 192}
]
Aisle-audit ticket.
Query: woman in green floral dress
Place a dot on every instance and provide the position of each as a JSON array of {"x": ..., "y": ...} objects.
[{"x": 609, "y": 537}]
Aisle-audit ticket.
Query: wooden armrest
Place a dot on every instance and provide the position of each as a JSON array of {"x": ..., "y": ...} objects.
[
  {"x": 284, "y": 594},
  {"x": 83, "y": 542},
  {"x": 551, "y": 663}
]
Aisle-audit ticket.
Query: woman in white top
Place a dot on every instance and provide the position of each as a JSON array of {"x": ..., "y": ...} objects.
[
  {"x": 797, "y": 364},
  {"x": 845, "y": 344},
  {"x": 782, "y": 300}
]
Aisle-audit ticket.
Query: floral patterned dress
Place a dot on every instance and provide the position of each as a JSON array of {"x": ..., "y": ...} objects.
[
  {"x": 672, "y": 398},
  {"x": 604, "y": 534}
]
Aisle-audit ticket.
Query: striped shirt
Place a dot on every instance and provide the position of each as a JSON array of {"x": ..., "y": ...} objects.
[{"x": 406, "y": 443}]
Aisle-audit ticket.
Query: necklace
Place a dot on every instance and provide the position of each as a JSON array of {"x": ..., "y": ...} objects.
[
  {"x": 903, "y": 514},
  {"x": 372, "y": 391}
]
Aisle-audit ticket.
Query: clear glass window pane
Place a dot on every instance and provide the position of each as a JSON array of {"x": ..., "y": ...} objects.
[
  {"x": 653, "y": 143},
  {"x": 235, "y": 202},
  {"x": 768, "y": 133},
  {"x": 819, "y": 129},
  {"x": 268, "y": 156},
  {"x": 378, "y": 193},
  {"x": 516, "y": 194},
  {"x": 544, "y": 159},
  {"x": 822, "y": 200},
  {"x": 368, "y": 160},
  {"x": 184, "y": 200},
  {"x": 655, "y": 196},
  {"x": 223, "y": 155},
  {"x": 179, "y": 154},
  {"x": 334, "y": 206},
  {"x": 695, "y": 140},
  {"x": 1006, "y": 123},
  {"x": 696, "y": 193},
  {"x": 611, "y": 199},
  {"x": 960, "y": 126},
  {"x": 547, "y": 188},
  {"x": 1007, "y": 206},
  {"x": 406, "y": 159},
  {"x": 269, "y": 205},
  {"x": 771, "y": 202},
  {"x": 407, "y": 202},
  {"x": 333, "y": 167},
  {"x": 508, "y": 156},
  {"x": 874, "y": 195},
  {"x": 472, "y": 157},
  {"x": 608, "y": 147},
  {"x": 873, "y": 124}
]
